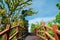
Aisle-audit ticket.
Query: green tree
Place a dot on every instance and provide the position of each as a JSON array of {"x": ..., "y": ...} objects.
[
  {"x": 33, "y": 26},
  {"x": 57, "y": 18},
  {"x": 58, "y": 5},
  {"x": 49, "y": 24},
  {"x": 16, "y": 12}
]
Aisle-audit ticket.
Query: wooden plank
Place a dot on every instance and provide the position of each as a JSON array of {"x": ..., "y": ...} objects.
[
  {"x": 41, "y": 37},
  {"x": 17, "y": 30},
  {"x": 6, "y": 36},
  {"x": 3, "y": 32},
  {"x": 58, "y": 32},
  {"x": 49, "y": 27},
  {"x": 55, "y": 32},
  {"x": 13, "y": 36},
  {"x": 52, "y": 38}
]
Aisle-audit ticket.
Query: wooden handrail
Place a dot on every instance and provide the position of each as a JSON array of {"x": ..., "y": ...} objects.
[
  {"x": 52, "y": 38},
  {"x": 39, "y": 27},
  {"x": 14, "y": 27},
  {"x": 53, "y": 28},
  {"x": 58, "y": 32},
  {"x": 49, "y": 27},
  {"x": 7, "y": 30},
  {"x": 46, "y": 33},
  {"x": 41, "y": 37},
  {"x": 4, "y": 31},
  {"x": 13, "y": 35}
]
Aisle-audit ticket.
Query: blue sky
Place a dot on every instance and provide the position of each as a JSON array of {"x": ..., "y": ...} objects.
[{"x": 47, "y": 11}]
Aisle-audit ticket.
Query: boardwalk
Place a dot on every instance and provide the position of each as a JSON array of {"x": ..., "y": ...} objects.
[{"x": 31, "y": 37}]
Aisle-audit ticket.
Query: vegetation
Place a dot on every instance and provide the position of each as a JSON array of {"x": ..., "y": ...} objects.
[
  {"x": 15, "y": 13},
  {"x": 35, "y": 26},
  {"x": 49, "y": 24},
  {"x": 57, "y": 17}
]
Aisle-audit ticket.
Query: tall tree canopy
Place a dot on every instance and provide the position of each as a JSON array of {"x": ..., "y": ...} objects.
[
  {"x": 57, "y": 18},
  {"x": 16, "y": 12},
  {"x": 13, "y": 12}
]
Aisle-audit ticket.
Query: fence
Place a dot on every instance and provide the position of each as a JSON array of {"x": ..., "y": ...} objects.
[
  {"x": 54, "y": 28},
  {"x": 6, "y": 32},
  {"x": 37, "y": 31}
]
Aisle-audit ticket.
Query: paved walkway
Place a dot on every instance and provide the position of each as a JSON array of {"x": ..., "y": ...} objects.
[{"x": 32, "y": 38}]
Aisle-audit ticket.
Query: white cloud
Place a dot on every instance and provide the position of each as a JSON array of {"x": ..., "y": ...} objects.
[
  {"x": 35, "y": 20},
  {"x": 46, "y": 19}
]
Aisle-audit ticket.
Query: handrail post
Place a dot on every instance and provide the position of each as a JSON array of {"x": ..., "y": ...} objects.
[
  {"x": 17, "y": 30},
  {"x": 44, "y": 30},
  {"x": 6, "y": 35},
  {"x": 44, "y": 33},
  {"x": 55, "y": 32}
]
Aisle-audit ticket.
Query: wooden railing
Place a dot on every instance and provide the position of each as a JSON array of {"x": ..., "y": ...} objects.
[
  {"x": 54, "y": 28},
  {"x": 6, "y": 32}
]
